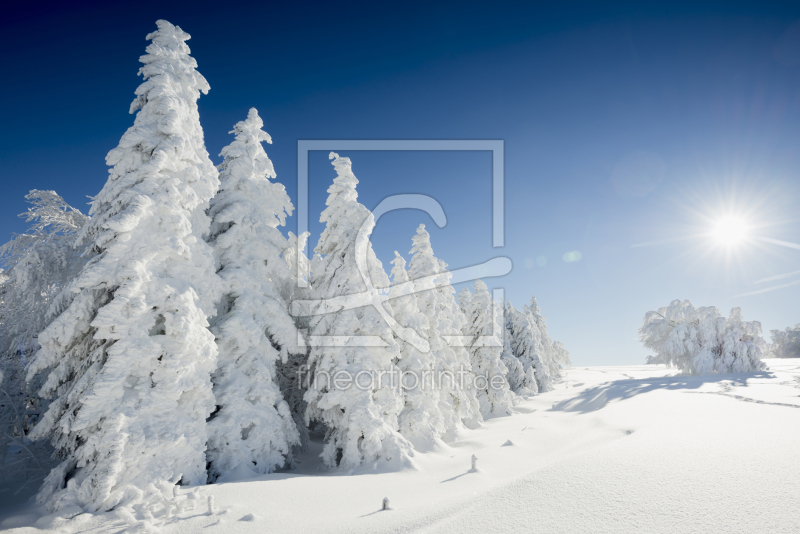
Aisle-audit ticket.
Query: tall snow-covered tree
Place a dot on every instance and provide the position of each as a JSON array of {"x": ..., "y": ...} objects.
[
  {"x": 436, "y": 300},
  {"x": 701, "y": 341},
  {"x": 360, "y": 415},
  {"x": 41, "y": 262},
  {"x": 129, "y": 361},
  {"x": 483, "y": 328},
  {"x": 421, "y": 419},
  {"x": 253, "y": 426}
]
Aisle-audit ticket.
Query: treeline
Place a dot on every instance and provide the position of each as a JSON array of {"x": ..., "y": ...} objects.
[{"x": 156, "y": 342}]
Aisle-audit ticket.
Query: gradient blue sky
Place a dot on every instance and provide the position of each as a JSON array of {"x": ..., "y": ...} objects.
[{"x": 624, "y": 124}]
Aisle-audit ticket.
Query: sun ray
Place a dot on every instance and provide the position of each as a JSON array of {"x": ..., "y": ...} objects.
[
  {"x": 777, "y": 277},
  {"x": 767, "y": 289},
  {"x": 787, "y": 244}
]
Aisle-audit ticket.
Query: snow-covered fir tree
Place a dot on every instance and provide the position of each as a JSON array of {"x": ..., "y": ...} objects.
[
  {"x": 421, "y": 419},
  {"x": 701, "y": 341},
  {"x": 527, "y": 346},
  {"x": 515, "y": 376},
  {"x": 483, "y": 328},
  {"x": 436, "y": 300},
  {"x": 252, "y": 427},
  {"x": 129, "y": 361},
  {"x": 556, "y": 356},
  {"x": 41, "y": 261},
  {"x": 361, "y": 416}
]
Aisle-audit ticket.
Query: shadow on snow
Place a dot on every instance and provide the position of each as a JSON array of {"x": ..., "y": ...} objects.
[{"x": 596, "y": 398}]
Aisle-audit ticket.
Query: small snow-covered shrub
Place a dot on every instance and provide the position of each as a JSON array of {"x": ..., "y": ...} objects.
[
  {"x": 700, "y": 341},
  {"x": 785, "y": 343}
]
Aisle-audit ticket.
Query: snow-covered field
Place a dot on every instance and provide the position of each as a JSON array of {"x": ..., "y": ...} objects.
[{"x": 613, "y": 449}]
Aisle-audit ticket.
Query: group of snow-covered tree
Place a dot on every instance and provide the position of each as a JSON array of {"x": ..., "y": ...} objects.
[
  {"x": 701, "y": 341},
  {"x": 785, "y": 343},
  {"x": 153, "y": 342}
]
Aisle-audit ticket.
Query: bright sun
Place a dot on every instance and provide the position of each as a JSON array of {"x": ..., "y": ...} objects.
[{"x": 729, "y": 231}]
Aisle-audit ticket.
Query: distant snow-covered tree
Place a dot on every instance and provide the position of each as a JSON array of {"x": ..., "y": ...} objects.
[
  {"x": 421, "y": 419},
  {"x": 561, "y": 354},
  {"x": 556, "y": 356},
  {"x": 527, "y": 346},
  {"x": 435, "y": 297},
  {"x": 534, "y": 360},
  {"x": 361, "y": 415},
  {"x": 785, "y": 343},
  {"x": 515, "y": 375},
  {"x": 252, "y": 426},
  {"x": 483, "y": 328},
  {"x": 700, "y": 341},
  {"x": 41, "y": 262},
  {"x": 652, "y": 359},
  {"x": 129, "y": 361}
]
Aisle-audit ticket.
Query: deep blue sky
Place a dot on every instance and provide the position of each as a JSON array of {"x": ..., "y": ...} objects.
[{"x": 623, "y": 125}]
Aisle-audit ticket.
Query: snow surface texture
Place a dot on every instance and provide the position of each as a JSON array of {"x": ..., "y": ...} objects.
[{"x": 611, "y": 449}]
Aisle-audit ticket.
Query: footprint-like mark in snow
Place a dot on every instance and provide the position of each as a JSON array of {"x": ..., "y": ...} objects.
[{"x": 745, "y": 399}]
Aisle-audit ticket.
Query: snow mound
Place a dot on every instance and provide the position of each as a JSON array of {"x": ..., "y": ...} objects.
[{"x": 242, "y": 472}]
